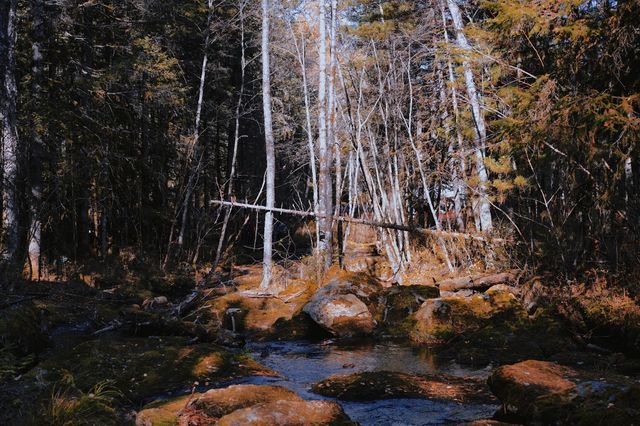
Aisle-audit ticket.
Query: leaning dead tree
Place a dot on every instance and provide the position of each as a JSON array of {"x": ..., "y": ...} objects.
[{"x": 373, "y": 223}]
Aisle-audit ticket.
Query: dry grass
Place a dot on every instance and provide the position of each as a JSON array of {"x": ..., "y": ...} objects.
[{"x": 67, "y": 407}]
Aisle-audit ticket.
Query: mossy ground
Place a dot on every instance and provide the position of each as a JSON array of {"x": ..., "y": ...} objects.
[
  {"x": 51, "y": 363},
  {"x": 143, "y": 367}
]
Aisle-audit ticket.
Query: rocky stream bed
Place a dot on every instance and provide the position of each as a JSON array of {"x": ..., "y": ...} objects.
[{"x": 353, "y": 350}]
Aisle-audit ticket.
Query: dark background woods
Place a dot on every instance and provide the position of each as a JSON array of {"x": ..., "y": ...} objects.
[{"x": 106, "y": 93}]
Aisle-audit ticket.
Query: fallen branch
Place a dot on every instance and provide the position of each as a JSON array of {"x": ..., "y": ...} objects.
[
  {"x": 476, "y": 282},
  {"x": 113, "y": 325},
  {"x": 396, "y": 226}
]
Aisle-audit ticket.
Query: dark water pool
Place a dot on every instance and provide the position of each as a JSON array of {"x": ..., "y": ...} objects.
[{"x": 304, "y": 363}]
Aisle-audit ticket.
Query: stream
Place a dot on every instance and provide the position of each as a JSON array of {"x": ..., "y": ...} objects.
[{"x": 302, "y": 364}]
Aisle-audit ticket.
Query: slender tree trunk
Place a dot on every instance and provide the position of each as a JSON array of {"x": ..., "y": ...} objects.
[
  {"x": 196, "y": 154},
  {"x": 194, "y": 159},
  {"x": 332, "y": 129},
  {"x": 302, "y": 60},
  {"x": 459, "y": 160},
  {"x": 37, "y": 145},
  {"x": 325, "y": 192},
  {"x": 270, "y": 152},
  {"x": 628, "y": 178},
  {"x": 484, "y": 207},
  {"x": 9, "y": 91}
]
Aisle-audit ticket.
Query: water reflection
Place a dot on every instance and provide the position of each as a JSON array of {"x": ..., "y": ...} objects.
[{"x": 304, "y": 363}]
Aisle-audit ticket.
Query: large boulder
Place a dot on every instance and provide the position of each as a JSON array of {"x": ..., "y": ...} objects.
[
  {"x": 438, "y": 320},
  {"x": 261, "y": 316},
  {"x": 288, "y": 413},
  {"x": 343, "y": 315},
  {"x": 540, "y": 392},
  {"x": 240, "y": 405},
  {"x": 376, "y": 385},
  {"x": 344, "y": 306},
  {"x": 211, "y": 405}
]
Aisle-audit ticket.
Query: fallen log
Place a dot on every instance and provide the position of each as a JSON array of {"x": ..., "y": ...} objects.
[
  {"x": 476, "y": 282},
  {"x": 396, "y": 226}
]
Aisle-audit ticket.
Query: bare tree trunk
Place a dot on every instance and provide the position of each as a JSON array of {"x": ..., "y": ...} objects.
[
  {"x": 270, "y": 152},
  {"x": 325, "y": 188},
  {"x": 302, "y": 60},
  {"x": 460, "y": 164},
  {"x": 484, "y": 207},
  {"x": 332, "y": 129},
  {"x": 37, "y": 146},
  {"x": 9, "y": 91}
]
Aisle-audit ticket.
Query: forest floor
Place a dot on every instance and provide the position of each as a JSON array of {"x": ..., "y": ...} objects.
[{"x": 151, "y": 350}]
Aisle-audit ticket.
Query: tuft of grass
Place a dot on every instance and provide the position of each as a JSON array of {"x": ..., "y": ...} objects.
[{"x": 70, "y": 407}]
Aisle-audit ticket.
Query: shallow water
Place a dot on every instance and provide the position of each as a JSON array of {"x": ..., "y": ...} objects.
[{"x": 304, "y": 363}]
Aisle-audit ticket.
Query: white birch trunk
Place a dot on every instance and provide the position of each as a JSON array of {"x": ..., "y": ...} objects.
[
  {"x": 325, "y": 188},
  {"x": 267, "y": 252},
  {"x": 484, "y": 206}
]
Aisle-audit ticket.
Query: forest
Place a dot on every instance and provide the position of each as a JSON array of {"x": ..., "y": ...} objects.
[{"x": 304, "y": 212}]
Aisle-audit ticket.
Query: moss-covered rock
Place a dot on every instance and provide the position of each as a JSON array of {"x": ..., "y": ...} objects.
[
  {"x": 489, "y": 328},
  {"x": 242, "y": 404},
  {"x": 375, "y": 385},
  {"x": 257, "y": 315},
  {"x": 539, "y": 392},
  {"x": 211, "y": 405},
  {"x": 163, "y": 412},
  {"x": 595, "y": 404},
  {"x": 217, "y": 403},
  {"x": 347, "y": 305},
  {"x": 343, "y": 315},
  {"x": 400, "y": 303},
  {"x": 439, "y": 320},
  {"x": 612, "y": 319},
  {"x": 508, "y": 341}
]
